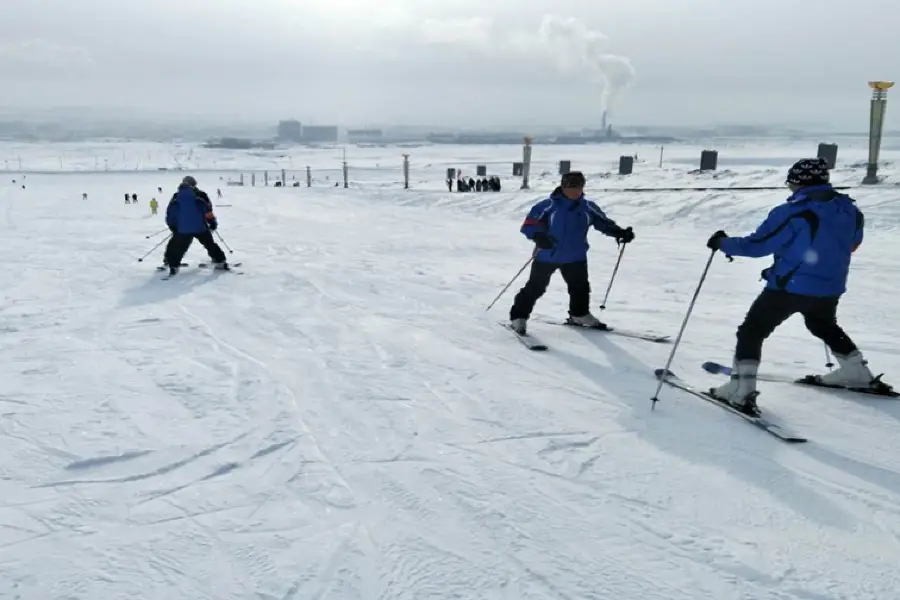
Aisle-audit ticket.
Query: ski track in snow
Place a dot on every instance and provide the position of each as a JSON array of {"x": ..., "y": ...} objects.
[{"x": 346, "y": 421}]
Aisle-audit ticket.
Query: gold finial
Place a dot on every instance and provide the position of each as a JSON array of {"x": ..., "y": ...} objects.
[{"x": 881, "y": 85}]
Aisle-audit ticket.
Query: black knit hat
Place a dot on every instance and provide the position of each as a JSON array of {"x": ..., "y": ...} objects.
[
  {"x": 572, "y": 179},
  {"x": 809, "y": 171}
]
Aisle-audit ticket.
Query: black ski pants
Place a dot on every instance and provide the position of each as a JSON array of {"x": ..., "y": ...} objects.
[
  {"x": 772, "y": 308},
  {"x": 576, "y": 276},
  {"x": 180, "y": 242}
]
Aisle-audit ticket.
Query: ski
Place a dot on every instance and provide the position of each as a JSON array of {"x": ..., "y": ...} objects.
[
  {"x": 164, "y": 267},
  {"x": 230, "y": 269},
  {"x": 780, "y": 432},
  {"x": 719, "y": 369},
  {"x": 648, "y": 337},
  {"x": 206, "y": 265},
  {"x": 528, "y": 340},
  {"x": 879, "y": 388}
]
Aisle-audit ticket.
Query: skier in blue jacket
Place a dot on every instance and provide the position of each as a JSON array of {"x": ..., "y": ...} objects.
[
  {"x": 190, "y": 216},
  {"x": 811, "y": 237},
  {"x": 558, "y": 226}
]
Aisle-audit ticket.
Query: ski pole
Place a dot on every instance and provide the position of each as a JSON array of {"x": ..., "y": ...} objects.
[
  {"x": 516, "y": 276},
  {"x": 153, "y": 235},
  {"x": 828, "y": 361},
  {"x": 613, "y": 278},
  {"x": 141, "y": 259},
  {"x": 690, "y": 309},
  {"x": 224, "y": 243}
]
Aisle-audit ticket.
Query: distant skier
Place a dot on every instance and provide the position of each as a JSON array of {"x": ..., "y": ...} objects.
[
  {"x": 154, "y": 205},
  {"x": 127, "y": 199},
  {"x": 189, "y": 217},
  {"x": 559, "y": 226},
  {"x": 134, "y": 199},
  {"x": 811, "y": 236},
  {"x": 84, "y": 196}
]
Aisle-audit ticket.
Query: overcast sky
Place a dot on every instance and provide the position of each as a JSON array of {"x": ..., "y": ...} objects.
[{"x": 459, "y": 62}]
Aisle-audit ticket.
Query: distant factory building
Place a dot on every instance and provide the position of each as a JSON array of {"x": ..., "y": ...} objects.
[
  {"x": 355, "y": 136},
  {"x": 290, "y": 130},
  {"x": 320, "y": 133}
]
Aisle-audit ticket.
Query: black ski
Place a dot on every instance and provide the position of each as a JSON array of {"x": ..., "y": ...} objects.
[
  {"x": 648, "y": 337},
  {"x": 206, "y": 265},
  {"x": 528, "y": 340},
  {"x": 164, "y": 267},
  {"x": 230, "y": 269},
  {"x": 761, "y": 422},
  {"x": 879, "y": 388}
]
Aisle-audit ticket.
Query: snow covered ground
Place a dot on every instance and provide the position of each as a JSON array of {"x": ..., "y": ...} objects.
[{"x": 346, "y": 421}]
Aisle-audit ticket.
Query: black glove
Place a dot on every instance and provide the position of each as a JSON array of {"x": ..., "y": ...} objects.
[
  {"x": 625, "y": 236},
  {"x": 213, "y": 224},
  {"x": 764, "y": 274},
  {"x": 543, "y": 241},
  {"x": 716, "y": 239},
  {"x": 173, "y": 230}
]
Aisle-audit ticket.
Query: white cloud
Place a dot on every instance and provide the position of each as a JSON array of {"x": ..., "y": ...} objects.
[{"x": 565, "y": 45}]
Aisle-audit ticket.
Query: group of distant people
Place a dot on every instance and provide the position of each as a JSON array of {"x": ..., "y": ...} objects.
[{"x": 467, "y": 184}]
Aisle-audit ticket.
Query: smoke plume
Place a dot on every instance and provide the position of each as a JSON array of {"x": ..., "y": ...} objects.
[{"x": 580, "y": 50}]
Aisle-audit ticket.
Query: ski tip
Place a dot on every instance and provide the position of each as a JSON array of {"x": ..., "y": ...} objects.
[
  {"x": 713, "y": 367},
  {"x": 663, "y": 374}
]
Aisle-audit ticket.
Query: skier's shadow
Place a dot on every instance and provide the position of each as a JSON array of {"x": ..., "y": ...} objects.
[
  {"x": 675, "y": 430},
  {"x": 889, "y": 406},
  {"x": 154, "y": 290}
]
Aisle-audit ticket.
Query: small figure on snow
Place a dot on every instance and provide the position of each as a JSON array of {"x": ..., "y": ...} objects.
[
  {"x": 153, "y": 206},
  {"x": 559, "y": 226},
  {"x": 127, "y": 199},
  {"x": 189, "y": 216},
  {"x": 134, "y": 199},
  {"x": 811, "y": 236},
  {"x": 84, "y": 196}
]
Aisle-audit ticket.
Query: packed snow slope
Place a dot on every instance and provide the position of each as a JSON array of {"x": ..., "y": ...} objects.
[{"x": 345, "y": 420}]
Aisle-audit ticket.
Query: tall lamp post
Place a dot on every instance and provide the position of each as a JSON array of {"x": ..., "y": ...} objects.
[{"x": 876, "y": 127}]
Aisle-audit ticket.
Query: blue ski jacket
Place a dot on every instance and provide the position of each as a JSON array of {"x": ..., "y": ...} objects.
[
  {"x": 190, "y": 211},
  {"x": 567, "y": 222},
  {"x": 811, "y": 237}
]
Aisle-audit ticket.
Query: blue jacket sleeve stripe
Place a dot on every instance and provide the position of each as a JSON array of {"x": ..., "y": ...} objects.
[{"x": 536, "y": 220}]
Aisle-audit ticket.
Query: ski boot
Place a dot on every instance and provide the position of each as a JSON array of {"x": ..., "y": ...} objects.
[
  {"x": 520, "y": 326},
  {"x": 740, "y": 391},
  {"x": 588, "y": 320},
  {"x": 852, "y": 373}
]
